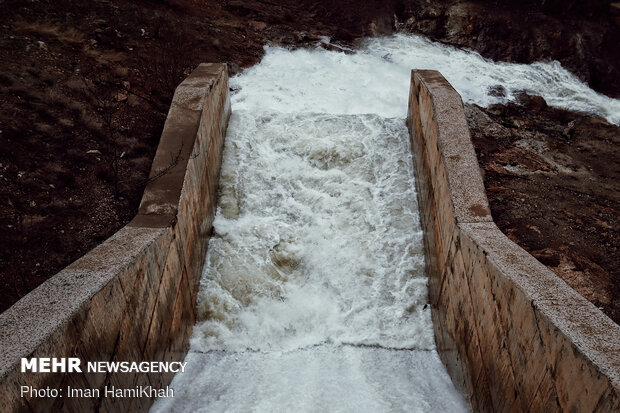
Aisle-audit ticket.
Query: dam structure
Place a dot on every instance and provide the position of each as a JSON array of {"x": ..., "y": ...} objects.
[
  {"x": 315, "y": 290},
  {"x": 315, "y": 236}
]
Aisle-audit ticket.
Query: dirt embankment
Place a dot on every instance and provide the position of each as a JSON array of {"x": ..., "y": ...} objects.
[
  {"x": 84, "y": 89},
  {"x": 553, "y": 182}
]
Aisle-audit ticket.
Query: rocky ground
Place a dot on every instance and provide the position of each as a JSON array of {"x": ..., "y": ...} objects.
[
  {"x": 553, "y": 184},
  {"x": 84, "y": 93},
  {"x": 582, "y": 35},
  {"x": 85, "y": 89}
]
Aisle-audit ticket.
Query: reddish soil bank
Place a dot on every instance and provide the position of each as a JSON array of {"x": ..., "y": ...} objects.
[
  {"x": 84, "y": 89},
  {"x": 553, "y": 183}
]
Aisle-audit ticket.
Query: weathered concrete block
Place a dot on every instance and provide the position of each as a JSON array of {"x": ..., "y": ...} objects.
[
  {"x": 512, "y": 334},
  {"x": 160, "y": 321},
  {"x": 130, "y": 299}
]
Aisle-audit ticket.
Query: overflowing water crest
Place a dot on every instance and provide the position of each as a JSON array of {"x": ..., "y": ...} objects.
[
  {"x": 314, "y": 296},
  {"x": 376, "y": 79}
]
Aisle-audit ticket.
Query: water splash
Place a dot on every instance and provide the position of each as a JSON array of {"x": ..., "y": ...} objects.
[
  {"x": 318, "y": 237},
  {"x": 376, "y": 79}
]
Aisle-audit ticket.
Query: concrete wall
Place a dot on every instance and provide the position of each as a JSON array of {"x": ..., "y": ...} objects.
[
  {"x": 512, "y": 334},
  {"x": 133, "y": 297}
]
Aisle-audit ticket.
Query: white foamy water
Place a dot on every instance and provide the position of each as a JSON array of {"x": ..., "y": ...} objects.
[
  {"x": 323, "y": 379},
  {"x": 314, "y": 296},
  {"x": 376, "y": 79},
  {"x": 317, "y": 237}
]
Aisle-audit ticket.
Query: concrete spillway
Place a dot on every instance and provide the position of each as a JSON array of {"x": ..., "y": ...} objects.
[{"x": 314, "y": 294}]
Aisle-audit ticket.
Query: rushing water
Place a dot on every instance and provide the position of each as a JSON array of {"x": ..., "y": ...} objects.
[
  {"x": 314, "y": 297},
  {"x": 376, "y": 79}
]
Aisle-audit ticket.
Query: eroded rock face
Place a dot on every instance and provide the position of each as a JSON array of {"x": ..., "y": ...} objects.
[{"x": 583, "y": 36}]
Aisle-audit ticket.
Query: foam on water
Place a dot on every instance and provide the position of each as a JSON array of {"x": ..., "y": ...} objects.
[
  {"x": 323, "y": 379},
  {"x": 317, "y": 237},
  {"x": 376, "y": 79},
  {"x": 314, "y": 295}
]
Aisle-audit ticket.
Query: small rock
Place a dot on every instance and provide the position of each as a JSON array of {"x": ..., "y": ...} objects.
[
  {"x": 94, "y": 151},
  {"x": 497, "y": 91},
  {"x": 259, "y": 26},
  {"x": 532, "y": 102},
  {"x": 42, "y": 45},
  {"x": 122, "y": 96},
  {"x": 568, "y": 131},
  {"x": 496, "y": 189}
]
